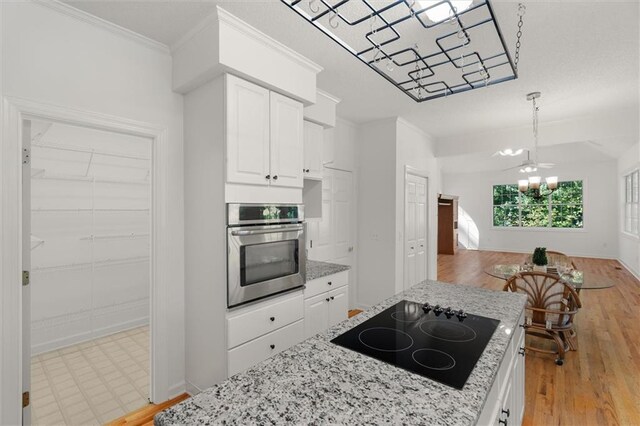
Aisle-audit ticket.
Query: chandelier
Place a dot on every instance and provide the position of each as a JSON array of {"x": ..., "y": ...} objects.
[
  {"x": 427, "y": 49},
  {"x": 531, "y": 186}
]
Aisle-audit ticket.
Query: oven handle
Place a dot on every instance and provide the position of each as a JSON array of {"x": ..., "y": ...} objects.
[{"x": 268, "y": 231}]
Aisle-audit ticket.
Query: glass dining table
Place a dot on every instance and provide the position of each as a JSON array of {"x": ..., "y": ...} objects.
[{"x": 580, "y": 280}]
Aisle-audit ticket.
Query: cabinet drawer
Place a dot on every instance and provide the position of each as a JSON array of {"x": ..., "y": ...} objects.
[
  {"x": 256, "y": 320},
  {"x": 330, "y": 282},
  {"x": 251, "y": 353}
]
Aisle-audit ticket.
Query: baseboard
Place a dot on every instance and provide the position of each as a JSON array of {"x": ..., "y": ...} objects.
[
  {"x": 177, "y": 389},
  {"x": 87, "y": 336},
  {"x": 628, "y": 268},
  {"x": 192, "y": 389}
]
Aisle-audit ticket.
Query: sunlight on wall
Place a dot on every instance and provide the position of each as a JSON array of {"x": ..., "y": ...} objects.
[{"x": 468, "y": 234}]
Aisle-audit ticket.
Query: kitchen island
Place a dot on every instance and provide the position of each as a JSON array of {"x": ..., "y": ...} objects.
[{"x": 317, "y": 381}]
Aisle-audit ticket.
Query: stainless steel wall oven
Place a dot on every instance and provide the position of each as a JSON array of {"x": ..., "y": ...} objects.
[{"x": 266, "y": 250}]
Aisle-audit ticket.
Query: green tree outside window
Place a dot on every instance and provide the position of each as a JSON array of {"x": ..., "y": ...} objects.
[{"x": 562, "y": 209}]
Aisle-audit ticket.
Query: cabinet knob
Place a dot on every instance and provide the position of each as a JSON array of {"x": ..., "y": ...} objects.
[
  {"x": 275, "y": 177},
  {"x": 329, "y": 282},
  {"x": 307, "y": 170},
  {"x": 332, "y": 297},
  {"x": 272, "y": 319},
  {"x": 521, "y": 351},
  {"x": 327, "y": 299},
  {"x": 272, "y": 346},
  {"x": 267, "y": 177},
  {"x": 411, "y": 248}
]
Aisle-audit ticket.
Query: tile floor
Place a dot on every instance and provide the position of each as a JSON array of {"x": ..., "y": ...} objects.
[{"x": 92, "y": 382}]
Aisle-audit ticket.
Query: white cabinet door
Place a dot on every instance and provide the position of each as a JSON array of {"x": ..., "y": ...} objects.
[
  {"x": 313, "y": 144},
  {"x": 247, "y": 132},
  {"x": 518, "y": 385},
  {"x": 286, "y": 141},
  {"x": 316, "y": 315},
  {"x": 338, "y": 305}
]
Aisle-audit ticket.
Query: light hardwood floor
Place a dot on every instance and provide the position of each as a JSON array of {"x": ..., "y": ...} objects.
[{"x": 599, "y": 383}]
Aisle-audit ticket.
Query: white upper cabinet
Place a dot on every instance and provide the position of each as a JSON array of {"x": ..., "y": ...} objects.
[
  {"x": 264, "y": 136},
  {"x": 313, "y": 143},
  {"x": 248, "y": 136},
  {"x": 286, "y": 141}
]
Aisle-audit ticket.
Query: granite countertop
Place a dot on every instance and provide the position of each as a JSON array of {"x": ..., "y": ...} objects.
[
  {"x": 316, "y": 269},
  {"x": 318, "y": 382}
]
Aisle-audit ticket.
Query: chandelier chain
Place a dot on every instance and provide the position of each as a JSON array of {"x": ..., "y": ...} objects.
[
  {"x": 535, "y": 129},
  {"x": 522, "y": 9}
]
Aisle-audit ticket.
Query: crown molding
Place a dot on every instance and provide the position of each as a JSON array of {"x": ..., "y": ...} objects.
[
  {"x": 83, "y": 16},
  {"x": 248, "y": 30},
  {"x": 415, "y": 128},
  {"x": 211, "y": 19},
  {"x": 329, "y": 96}
]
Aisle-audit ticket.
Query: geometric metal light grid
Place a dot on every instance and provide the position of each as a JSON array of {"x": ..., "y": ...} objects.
[{"x": 424, "y": 59}]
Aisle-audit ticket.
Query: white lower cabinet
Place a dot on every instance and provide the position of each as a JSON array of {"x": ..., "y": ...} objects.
[
  {"x": 259, "y": 331},
  {"x": 326, "y": 303},
  {"x": 257, "y": 350},
  {"x": 505, "y": 403}
]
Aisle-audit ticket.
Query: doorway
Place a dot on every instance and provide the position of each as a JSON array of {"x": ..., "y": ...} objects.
[
  {"x": 415, "y": 232},
  {"x": 87, "y": 244}
]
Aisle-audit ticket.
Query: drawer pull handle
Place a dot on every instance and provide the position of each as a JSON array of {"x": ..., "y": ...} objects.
[
  {"x": 272, "y": 319},
  {"x": 272, "y": 346},
  {"x": 521, "y": 351},
  {"x": 503, "y": 422},
  {"x": 329, "y": 282},
  {"x": 507, "y": 412},
  {"x": 332, "y": 297}
]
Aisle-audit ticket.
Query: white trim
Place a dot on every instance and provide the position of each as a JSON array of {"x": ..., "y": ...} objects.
[
  {"x": 628, "y": 268},
  {"x": 177, "y": 389},
  {"x": 328, "y": 96},
  {"x": 194, "y": 31},
  {"x": 14, "y": 111},
  {"x": 83, "y": 16},
  {"x": 248, "y": 30}
]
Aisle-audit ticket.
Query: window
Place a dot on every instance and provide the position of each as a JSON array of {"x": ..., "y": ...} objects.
[
  {"x": 632, "y": 196},
  {"x": 562, "y": 209}
]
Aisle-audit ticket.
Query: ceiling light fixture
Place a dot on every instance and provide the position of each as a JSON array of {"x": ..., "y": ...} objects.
[
  {"x": 426, "y": 48},
  {"x": 532, "y": 184},
  {"x": 442, "y": 10},
  {"x": 510, "y": 152}
]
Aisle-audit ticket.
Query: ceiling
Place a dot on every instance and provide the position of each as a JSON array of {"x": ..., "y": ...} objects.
[{"x": 582, "y": 56}]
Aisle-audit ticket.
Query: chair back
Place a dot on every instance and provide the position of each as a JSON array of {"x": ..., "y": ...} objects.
[{"x": 550, "y": 299}]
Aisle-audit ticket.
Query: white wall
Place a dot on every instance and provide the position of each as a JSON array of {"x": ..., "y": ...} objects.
[
  {"x": 629, "y": 245},
  {"x": 53, "y": 57},
  {"x": 386, "y": 147},
  {"x": 599, "y": 238},
  {"x": 416, "y": 150}
]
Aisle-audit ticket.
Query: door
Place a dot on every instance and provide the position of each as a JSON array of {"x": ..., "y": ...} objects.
[
  {"x": 26, "y": 266},
  {"x": 316, "y": 315},
  {"x": 287, "y": 140},
  {"x": 341, "y": 201},
  {"x": 321, "y": 232},
  {"x": 338, "y": 305},
  {"x": 313, "y": 143},
  {"x": 415, "y": 230},
  {"x": 247, "y": 132}
]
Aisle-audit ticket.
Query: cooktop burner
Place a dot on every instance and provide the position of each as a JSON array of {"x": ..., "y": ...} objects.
[{"x": 441, "y": 344}]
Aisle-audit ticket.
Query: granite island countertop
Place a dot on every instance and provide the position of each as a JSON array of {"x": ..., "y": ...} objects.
[
  {"x": 318, "y": 382},
  {"x": 317, "y": 269}
]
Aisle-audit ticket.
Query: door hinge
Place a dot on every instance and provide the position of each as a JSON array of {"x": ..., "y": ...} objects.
[
  {"x": 26, "y": 156},
  {"x": 25, "y": 399},
  {"x": 25, "y": 277}
]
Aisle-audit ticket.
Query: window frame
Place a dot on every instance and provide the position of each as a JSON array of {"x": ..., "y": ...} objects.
[
  {"x": 549, "y": 227},
  {"x": 628, "y": 201}
]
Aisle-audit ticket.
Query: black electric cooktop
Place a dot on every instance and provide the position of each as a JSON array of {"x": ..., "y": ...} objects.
[{"x": 439, "y": 343}]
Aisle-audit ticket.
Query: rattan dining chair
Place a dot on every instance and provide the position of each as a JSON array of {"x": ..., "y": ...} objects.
[{"x": 551, "y": 307}]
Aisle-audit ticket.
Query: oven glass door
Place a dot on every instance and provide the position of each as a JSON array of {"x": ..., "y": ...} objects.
[
  {"x": 267, "y": 261},
  {"x": 264, "y": 260}
]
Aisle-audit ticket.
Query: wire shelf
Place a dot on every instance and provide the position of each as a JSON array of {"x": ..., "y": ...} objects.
[{"x": 424, "y": 59}]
